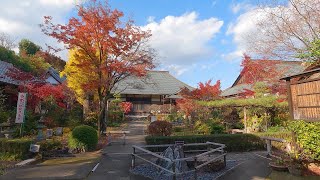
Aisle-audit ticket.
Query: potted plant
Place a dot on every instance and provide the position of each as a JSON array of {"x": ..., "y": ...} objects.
[
  {"x": 296, "y": 163},
  {"x": 279, "y": 164}
]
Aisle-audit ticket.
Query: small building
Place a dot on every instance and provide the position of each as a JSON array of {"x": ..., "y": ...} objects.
[
  {"x": 283, "y": 68},
  {"x": 156, "y": 88},
  {"x": 304, "y": 95},
  {"x": 10, "y": 85}
]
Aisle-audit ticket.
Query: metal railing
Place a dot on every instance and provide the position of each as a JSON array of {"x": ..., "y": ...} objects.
[{"x": 197, "y": 164}]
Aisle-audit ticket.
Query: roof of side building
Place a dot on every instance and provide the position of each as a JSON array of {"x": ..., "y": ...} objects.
[{"x": 285, "y": 68}]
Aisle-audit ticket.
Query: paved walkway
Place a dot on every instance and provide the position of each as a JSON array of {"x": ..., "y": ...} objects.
[
  {"x": 116, "y": 160},
  {"x": 254, "y": 167},
  {"x": 61, "y": 168}
]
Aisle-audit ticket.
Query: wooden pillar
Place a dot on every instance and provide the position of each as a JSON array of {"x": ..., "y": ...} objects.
[
  {"x": 245, "y": 119},
  {"x": 174, "y": 170},
  {"x": 290, "y": 99},
  {"x": 195, "y": 168},
  {"x": 269, "y": 147}
]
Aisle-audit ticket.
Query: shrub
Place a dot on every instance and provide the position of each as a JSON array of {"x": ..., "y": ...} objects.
[
  {"x": 233, "y": 142},
  {"x": 160, "y": 128},
  {"x": 202, "y": 128},
  {"x": 19, "y": 148},
  {"x": 178, "y": 129},
  {"x": 83, "y": 137},
  {"x": 307, "y": 138},
  {"x": 49, "y": 145},
  {"x": 31, "y": 123},
  {"x": 4, "y": 116},
  {"x": 217, "y": 128}
]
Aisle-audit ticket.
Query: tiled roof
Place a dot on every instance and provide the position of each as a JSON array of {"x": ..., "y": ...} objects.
[
  {"x": 155, "y": 82},
  {"x": 55, "y": 74},
  {"x": 4, "y": 67},
  {"x": 238, "y": 89},
  {"x": 285, "y": 68}
]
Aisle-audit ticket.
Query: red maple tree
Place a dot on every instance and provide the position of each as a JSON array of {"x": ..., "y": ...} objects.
[
  {"x": 126, "y": 107},
  {"x": 254, "y": 71},
  {"x": 205, "y": 92},
  {"x": 112, "y": 49},
  {"x": 36, "y": 87}
]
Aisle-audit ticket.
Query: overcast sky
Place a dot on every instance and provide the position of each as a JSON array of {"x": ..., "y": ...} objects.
[{"x": 195, "y": 40}]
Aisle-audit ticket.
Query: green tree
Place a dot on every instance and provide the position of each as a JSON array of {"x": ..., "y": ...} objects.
[
  {"x": 312, "y": 53},
  {"x": 28, "y": 47},
  {"x": 261, "y": 89}
]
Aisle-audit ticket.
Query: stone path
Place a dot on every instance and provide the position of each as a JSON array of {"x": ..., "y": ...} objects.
[{"x": 116, "y": 160}]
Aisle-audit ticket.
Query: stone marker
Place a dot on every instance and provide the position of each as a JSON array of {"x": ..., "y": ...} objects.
[
  {"x": 58, "y": 131},
  {"x": 49, "y": 133},
  {"x": 34, "y": 148}
]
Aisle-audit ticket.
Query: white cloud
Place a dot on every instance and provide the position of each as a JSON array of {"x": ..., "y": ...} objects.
[
  {"x": 244, "y": 27},
  {"x": 21, "y": 19},
  {"x": 183, "y": 40},
  {"x": 241, "y": 6},
  {"x": 177, "y": 69}
]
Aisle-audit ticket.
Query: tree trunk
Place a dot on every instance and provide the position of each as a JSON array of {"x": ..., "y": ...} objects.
[{"x": 101, "y": 114}]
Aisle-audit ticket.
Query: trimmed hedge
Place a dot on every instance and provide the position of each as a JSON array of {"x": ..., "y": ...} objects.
[
  {"x": 233, "y": 142},
  {"x": 17, "y": 147}
]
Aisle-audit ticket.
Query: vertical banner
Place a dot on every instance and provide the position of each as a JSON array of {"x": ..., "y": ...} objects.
[{"x": 21, "y": 107}]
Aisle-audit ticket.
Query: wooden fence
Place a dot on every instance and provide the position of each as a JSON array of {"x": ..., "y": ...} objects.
[{"x": 305, "y": 99}]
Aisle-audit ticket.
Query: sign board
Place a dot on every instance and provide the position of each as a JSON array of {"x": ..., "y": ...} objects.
[
  {"x": 21, "y": 107},
  {"x": 34, "y": 148},
  {"x": 153, "y": 118}
]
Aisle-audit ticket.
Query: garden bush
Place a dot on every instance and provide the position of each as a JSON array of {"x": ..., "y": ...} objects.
[
  {"x": 216, "y": 128},
  {"x": 160, "y": 128},
  {"x": 49, "y": 145},
  {"x": 83, "y": 137},
  {"x": 201, "y": 128},
  {"x": 19, "y": 148},
  {"x": 307, "y": 138}
]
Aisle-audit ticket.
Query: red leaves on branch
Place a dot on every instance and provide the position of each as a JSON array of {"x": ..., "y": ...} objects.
[
  {"x": 247, "y": 93},
  {"x": 258, "y": 70},
  {"x": 254, "y": 71},
  {"x": 187, "y": 105},
  {"x": 206, "y": 91},
  {"x": 38, "y": 92},
  {"x": 126, "y": 107}
]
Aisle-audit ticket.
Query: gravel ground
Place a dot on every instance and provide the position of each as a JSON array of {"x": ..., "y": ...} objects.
[{"x": 152, "y": 172}]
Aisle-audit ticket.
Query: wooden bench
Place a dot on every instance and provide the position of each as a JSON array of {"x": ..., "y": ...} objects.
[
  {"x": 110, "y": 133},
  {"x": 269, "y": 145}
]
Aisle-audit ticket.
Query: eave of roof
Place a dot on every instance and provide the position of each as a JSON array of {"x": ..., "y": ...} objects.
[{"x": 305, "y": 73}]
